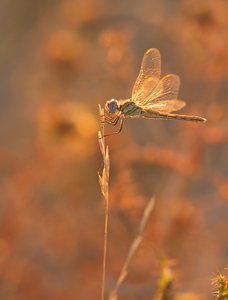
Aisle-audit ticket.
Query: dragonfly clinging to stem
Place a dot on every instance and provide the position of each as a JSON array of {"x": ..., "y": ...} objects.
[{"x": 152, "y": 97}]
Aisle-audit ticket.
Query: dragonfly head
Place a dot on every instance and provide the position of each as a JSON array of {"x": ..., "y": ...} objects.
[{"x": 112, "y": 106}]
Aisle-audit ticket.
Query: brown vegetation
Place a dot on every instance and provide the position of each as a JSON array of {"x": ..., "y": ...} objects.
[{"x": 58, "y": 60}]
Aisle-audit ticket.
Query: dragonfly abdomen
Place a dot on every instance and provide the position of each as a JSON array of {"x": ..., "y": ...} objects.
[{"x": 152, "y": 114}]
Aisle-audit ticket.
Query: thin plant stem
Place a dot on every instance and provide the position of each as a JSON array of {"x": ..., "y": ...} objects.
[
  {"x": 133, "y": 249},
  {"x": 104, "y": 184}
]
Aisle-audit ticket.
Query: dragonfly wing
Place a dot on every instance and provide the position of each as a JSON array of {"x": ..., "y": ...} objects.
[
  {"x": 166, "y": 89},
  {"x": 148, "y": 77},
  {"x": 166, "y": 106}
]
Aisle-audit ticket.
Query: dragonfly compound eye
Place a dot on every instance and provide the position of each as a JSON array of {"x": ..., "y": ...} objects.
[{"x": 112, "y": 106}]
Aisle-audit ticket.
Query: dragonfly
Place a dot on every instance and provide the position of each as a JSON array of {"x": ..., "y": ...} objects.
[{"x": 152, "y": 97}]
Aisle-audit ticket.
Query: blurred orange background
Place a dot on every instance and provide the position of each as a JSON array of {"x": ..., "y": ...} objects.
[{"x": 58, "y": 61}]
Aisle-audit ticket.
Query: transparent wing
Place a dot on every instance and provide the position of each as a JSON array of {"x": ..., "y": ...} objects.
[
  {"x": 148, "y": 77},
  {"x": 166, "y": 89},
  {"x": 166, "y": 106}
]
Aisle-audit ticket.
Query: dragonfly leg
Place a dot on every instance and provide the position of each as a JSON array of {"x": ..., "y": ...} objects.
[
  {"x": 121, "y": 126},
  {"x": 113, "y": 122},
  {"x": 105, "y": 116},
  {"x": 110, "y": 121},
  {"x": 119, "y": 130}
]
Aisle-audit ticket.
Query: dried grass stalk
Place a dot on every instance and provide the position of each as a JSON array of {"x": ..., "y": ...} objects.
[
  {"x": 133, "y": 249},
  {"x": 104, "y": 184}
]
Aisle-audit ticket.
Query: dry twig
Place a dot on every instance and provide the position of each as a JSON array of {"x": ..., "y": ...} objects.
[
  {"x": 133, "y": 249},
  {"x": 104, "y": 182}
]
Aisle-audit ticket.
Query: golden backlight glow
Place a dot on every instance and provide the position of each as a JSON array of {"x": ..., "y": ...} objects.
[{"x": 58, "y": 61}]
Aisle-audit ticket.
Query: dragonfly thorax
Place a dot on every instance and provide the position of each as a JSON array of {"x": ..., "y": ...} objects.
[{"x": 112, "y": 106}]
